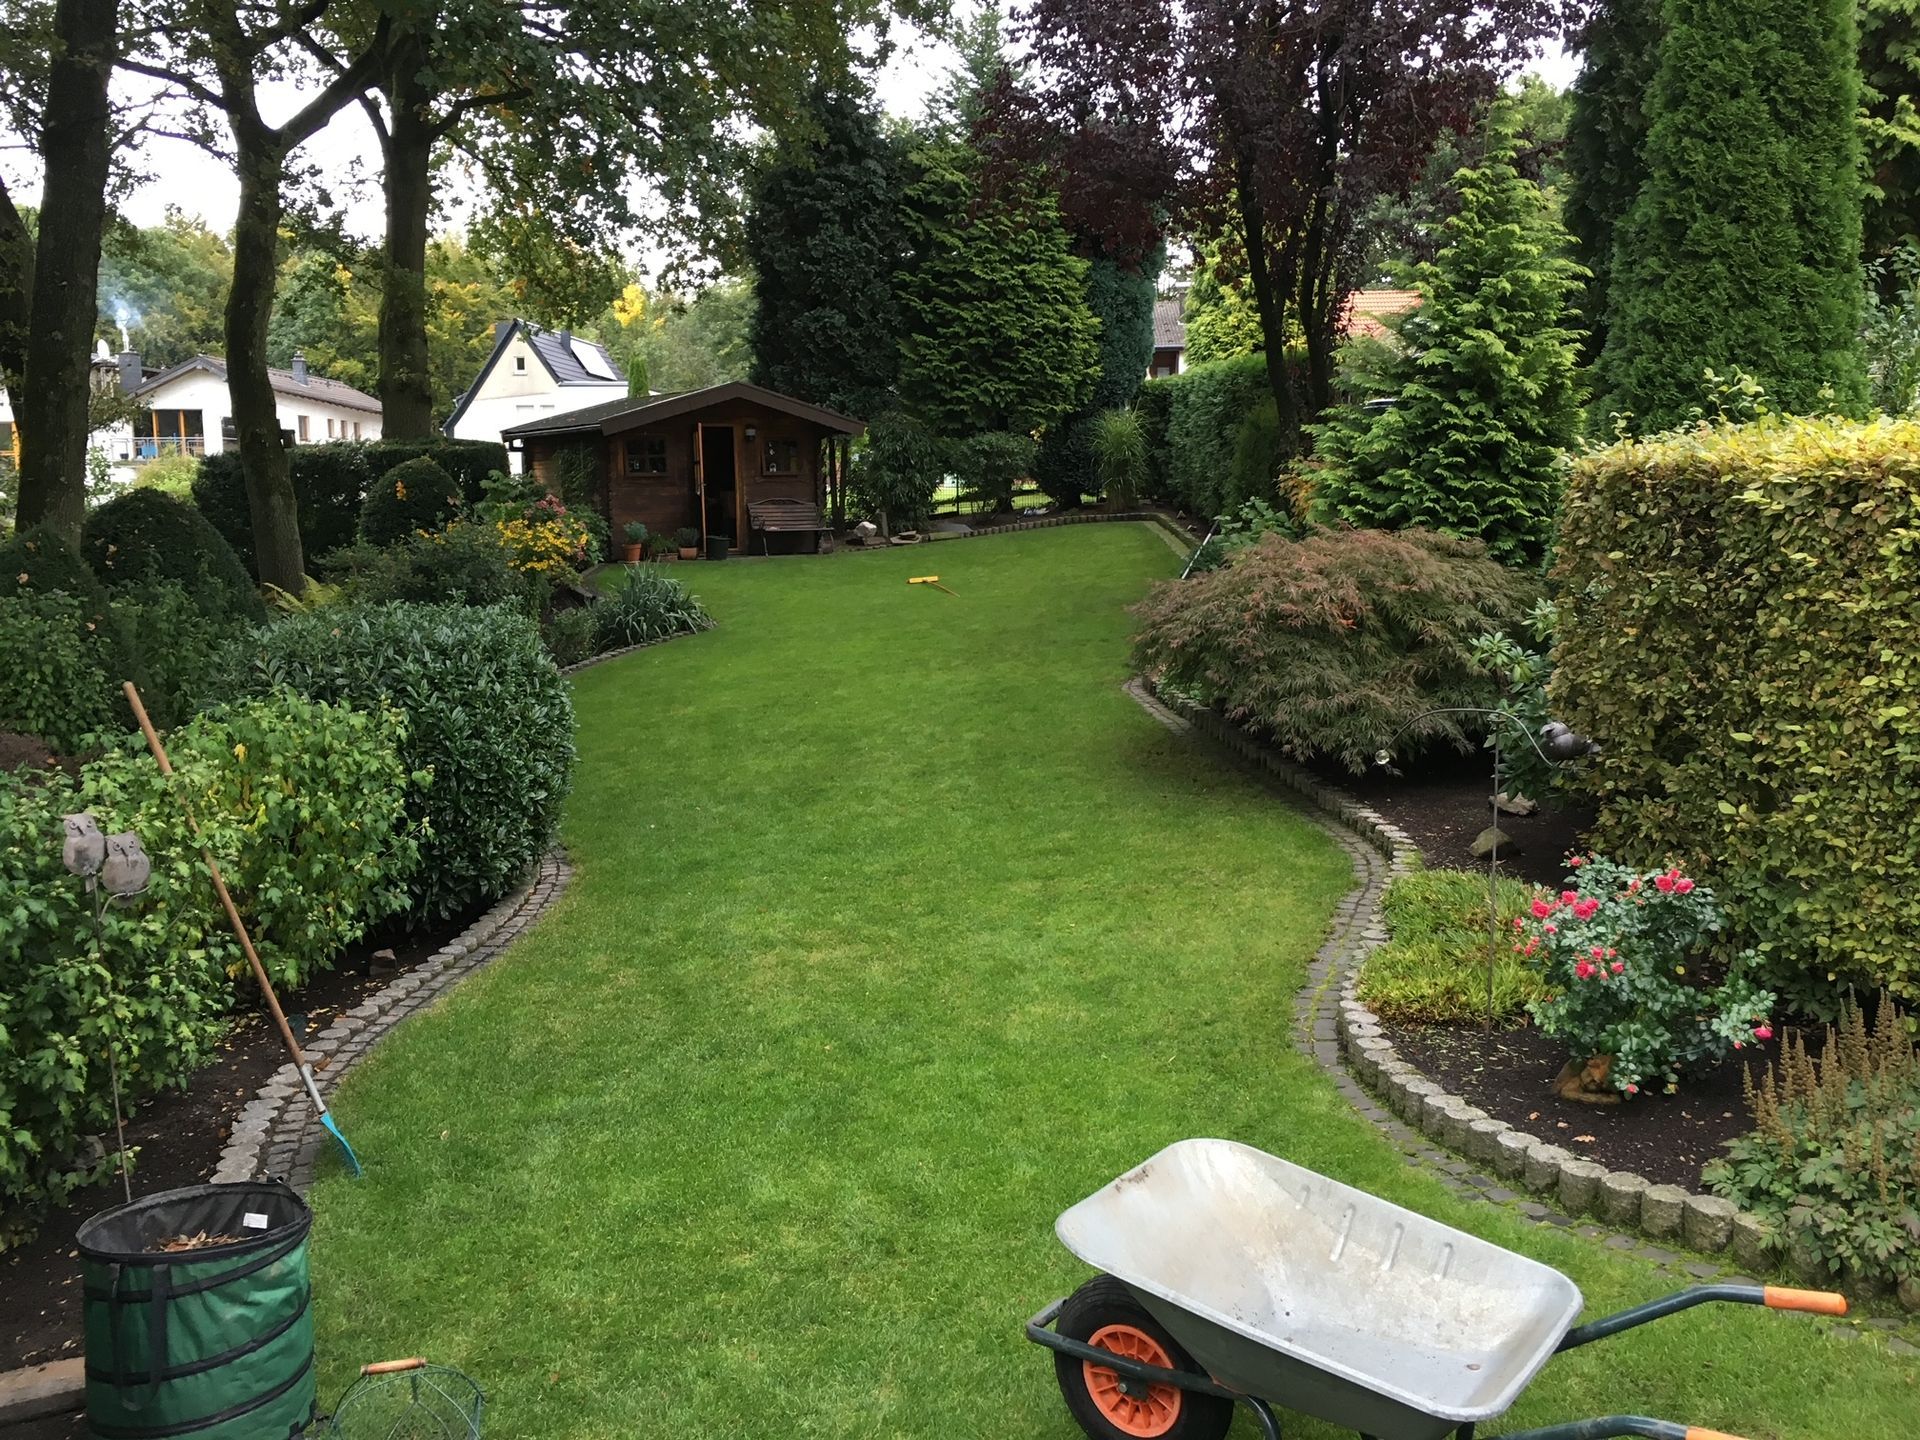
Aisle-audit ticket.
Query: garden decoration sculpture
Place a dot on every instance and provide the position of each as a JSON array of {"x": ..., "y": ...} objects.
[
  {"x": 300, "y": 1063},
  {"x": 116, "y": 870},
  {"x": 1230, "y": 1277},
  {"x": 1558, "y": 746},
  {"x": 407, "y": 1400}
]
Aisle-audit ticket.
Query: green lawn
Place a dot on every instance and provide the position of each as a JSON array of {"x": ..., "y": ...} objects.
[{"x": 897, "y": 928}]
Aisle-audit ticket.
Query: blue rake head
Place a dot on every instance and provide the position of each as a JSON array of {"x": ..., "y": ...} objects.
[{"x": 346, "y": 1150}]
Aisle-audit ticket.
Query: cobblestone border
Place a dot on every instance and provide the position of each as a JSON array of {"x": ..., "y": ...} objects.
[
  {"x": 1473, "y": 1154},
  {"x": 276, "y": 1132},
  {"x": 1167, "y": 525},
  {"x": 606, "y": 655}
]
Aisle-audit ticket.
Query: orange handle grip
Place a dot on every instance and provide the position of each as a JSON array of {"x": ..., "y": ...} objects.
[
  {"x": 1694, "y": 1433},
  {"x": 1818, "y": 1302},
  {"x": 389, "y": 1367}
]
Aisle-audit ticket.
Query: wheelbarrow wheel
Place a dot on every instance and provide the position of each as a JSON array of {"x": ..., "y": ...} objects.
[{"x": 1104, "y": 1314}]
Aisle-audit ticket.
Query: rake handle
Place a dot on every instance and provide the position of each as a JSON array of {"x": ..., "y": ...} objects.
[
  {"x": 219, "y": 883},
  {"x": 393, "y": 1367}
]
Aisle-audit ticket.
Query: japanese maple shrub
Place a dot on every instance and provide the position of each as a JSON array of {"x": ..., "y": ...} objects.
[{"x": 1615, "y": 949}]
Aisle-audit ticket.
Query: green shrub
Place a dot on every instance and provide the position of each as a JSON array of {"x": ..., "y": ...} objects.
[
  {"x": 178, "y": 651},
  {"x": 487, "y": 716},
  {"x": 896, "y": 471},
  {"x": 143, "y": 537},
  {"x": 1739, "y": 630},
  {"x": 1613, "y": 949},
  {"x": 1154, "y": 406},
  {"x": 1206, "y": 407},
  {"x": 990, "y": 465},
  {"x": 300, "y": 802},
  {"x": 414, "y": 496},
  {"x": 461, "y": 565},
  {"x": 1334, "y": 644},
  {"x": 1522, "y": 672},
  {"x": 170, "y": 474},
  {"x": 1260, "y": 452},
  {"x": 1119, "y": 445},
  {"x": 1434, "y": 969},
  {"x": 649, "y": 606},
  {"x": 40, "y": 560},
  {"x": 569, "y": 635},
  {"x": 330, "y": 483},
  {"x": 54, "y": 663},
  {"x": 1834, "y": 1158}
]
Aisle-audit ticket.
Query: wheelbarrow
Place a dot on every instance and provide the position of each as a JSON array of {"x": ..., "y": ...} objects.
[{"x": 1232, "y": 1277}]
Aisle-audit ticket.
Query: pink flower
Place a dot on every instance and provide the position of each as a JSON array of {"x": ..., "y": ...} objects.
[
  {"x": 1597, "y": 953},
  {"x": 1585, "y": 970},
  {"x": 1633, "y": 886},
  {"x": 1633, "y": 1089},
  {"x": 1738, "y": 1045},
  {"x": 1551, "y": 928},
  {"x": 1664, "y": 884},
  {"x": 1682, "y": 885},
  {"x": 1576, "y": 861},
  {"x": 1618, "y": 966},
  {"x": 1585, "y": 909},
  {"x": 1763, "y": 1032},
  {"x": 1519, "y": 923},
  {"x": 1567, "y": 897},
  {"x": 1541, "y": 909}
]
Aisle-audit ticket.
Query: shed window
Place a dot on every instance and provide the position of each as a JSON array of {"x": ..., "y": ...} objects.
[
  {"x": 783, "y": 457},
  {"x": 647, "y": 455}
]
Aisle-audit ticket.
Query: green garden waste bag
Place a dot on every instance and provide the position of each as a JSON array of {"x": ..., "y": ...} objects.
[{"x": 197, "y": 1315}]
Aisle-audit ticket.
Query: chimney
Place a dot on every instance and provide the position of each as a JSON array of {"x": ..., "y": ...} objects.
[
  {"x": 299, "y": 367},
  {"x": 131, "y": 373},
  {"x": 566, "y": 341}
]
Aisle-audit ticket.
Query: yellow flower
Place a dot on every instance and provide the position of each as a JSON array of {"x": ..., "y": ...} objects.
[{"x": 240, "y": 753}]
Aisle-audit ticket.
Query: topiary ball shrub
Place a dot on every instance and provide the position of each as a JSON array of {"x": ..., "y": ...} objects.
[
  {"x": 54, "y": 661},
  {"x": 146, "y": 537},
  {"x": 413, "y": 496},
  {"x": 488, "y": 717},
  {"x": 1333, "y": 643},
  {"x": 41, "y": 560},
  {"x": 329, "y": 485}
]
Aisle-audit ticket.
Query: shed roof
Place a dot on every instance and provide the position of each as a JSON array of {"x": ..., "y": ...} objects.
[
  {"x": 285, "y": 382},
  {"x": 1169, "y": 328},
  {"x": 613, "y": 417}
]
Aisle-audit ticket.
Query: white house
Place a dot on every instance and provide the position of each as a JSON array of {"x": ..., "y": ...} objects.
[
  {"x": 533, "y": 373},
  {"x": 186, "y": 408}
]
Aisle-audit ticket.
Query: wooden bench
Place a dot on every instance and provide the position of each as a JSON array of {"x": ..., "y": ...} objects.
[{"x": 783, "y": 516}]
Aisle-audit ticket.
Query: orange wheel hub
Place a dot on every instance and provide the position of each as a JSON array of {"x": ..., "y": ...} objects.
[{"x": 1154, "y": 1412}]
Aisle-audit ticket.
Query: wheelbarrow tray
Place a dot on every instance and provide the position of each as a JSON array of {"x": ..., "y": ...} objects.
[{"x": 1322, "y": 1298}]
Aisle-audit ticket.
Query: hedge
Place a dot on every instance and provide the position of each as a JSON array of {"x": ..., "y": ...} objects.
[
  {"x": 1214, "y": 413},
  {"x": 330, "y": 484},
  {"x": 1740, "y": 628},
  {"x": 488, "y": 718}
]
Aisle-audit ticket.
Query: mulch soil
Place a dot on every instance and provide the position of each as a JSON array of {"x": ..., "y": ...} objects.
[
  {"x": 1666, "y": 1138},
  {"x": 179, "y": 1136},
  {"x": 1445, "y": 801}
]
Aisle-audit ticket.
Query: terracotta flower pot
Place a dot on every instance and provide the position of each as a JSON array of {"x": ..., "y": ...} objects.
[
  {"x": 689, "y": 552},
  {"x": 631, "y": 553}
]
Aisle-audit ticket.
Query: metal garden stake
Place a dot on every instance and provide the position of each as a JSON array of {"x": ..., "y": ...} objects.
[{"x": 115, "y": 869}]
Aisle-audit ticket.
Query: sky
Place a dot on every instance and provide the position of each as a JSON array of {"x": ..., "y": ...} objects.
[{"x": 186, "y": 177}]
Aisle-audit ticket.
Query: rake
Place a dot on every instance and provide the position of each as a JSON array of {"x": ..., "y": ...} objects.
[
  {"x": 933, "y": 580},
  {"x": 300, "y": 1064}
]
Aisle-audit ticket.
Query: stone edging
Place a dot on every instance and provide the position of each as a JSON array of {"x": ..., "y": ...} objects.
[
  {"x": 606, "y": 655},
  {"x": 1165, "y": 522},
  {"x": 1347, "y": 1040},
  {"x": 276, "y": 1132}
]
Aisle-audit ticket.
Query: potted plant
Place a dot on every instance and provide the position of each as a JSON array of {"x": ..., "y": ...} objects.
[
  {"x": 689, "y": 540},
  {"x": 636, "y": 542}
]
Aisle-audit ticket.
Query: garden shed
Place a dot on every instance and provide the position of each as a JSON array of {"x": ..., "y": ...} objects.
[{"x": 700, "y": 458}]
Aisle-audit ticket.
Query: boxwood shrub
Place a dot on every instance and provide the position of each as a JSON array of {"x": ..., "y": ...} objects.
[
  {"x": 414, "y": 496},
  {"x": 488, "y": 717},
  {"x": 1333, "y": 643},
  {"x": 145, "y": 537},
  {"x": 1740, "y": 628},
  {"x": 1219, "y": 442}
]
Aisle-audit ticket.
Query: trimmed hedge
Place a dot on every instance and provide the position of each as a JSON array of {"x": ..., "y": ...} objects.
[
  {"x": 414, "y": 496},
  {"x": 330, "y": 484},
  {"x": 1220, "y": 439},
  {"x": 144, "y": 537},
  {"x": 488, "y": 717},
  {"x": 1740, "y": 628}
]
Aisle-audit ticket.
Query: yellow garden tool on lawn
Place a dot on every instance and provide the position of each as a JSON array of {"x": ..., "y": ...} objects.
[{"x": 933, "y": 580}]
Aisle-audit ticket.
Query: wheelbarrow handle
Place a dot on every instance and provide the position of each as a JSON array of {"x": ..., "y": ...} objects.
[
  {"x": 1615, "y": 1427},
  {"x": 1774, "y": 1297}
]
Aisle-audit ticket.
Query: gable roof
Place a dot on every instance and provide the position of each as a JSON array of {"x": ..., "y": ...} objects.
[
  {"x": 613, "y": 417},
  {"x": 1169, "y": 330},
  {"x": 567, "y": 359},
  {"x": 284, "y": 382},
  {"x": 1369, "y": 310}
]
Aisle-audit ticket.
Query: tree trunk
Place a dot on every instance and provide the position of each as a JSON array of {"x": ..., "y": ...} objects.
[
  {"x": 76, "y": 145},
  {"x": 16, "y": 295},
  {"x": 263, "y": 458},
  {"x": 1270, "y": 299},
  {"x": 406, "y": 382}
]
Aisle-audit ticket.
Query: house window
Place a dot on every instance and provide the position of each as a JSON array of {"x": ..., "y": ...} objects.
[
  {"x": 330, "y": 434},
  {"x": 303, "y": 429},
  {"x": 519, "y": 364},
  {"x": 783, "y": 457},
  {"x": 356, "y": 429},
  {"x": 647, "y": 455}
]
